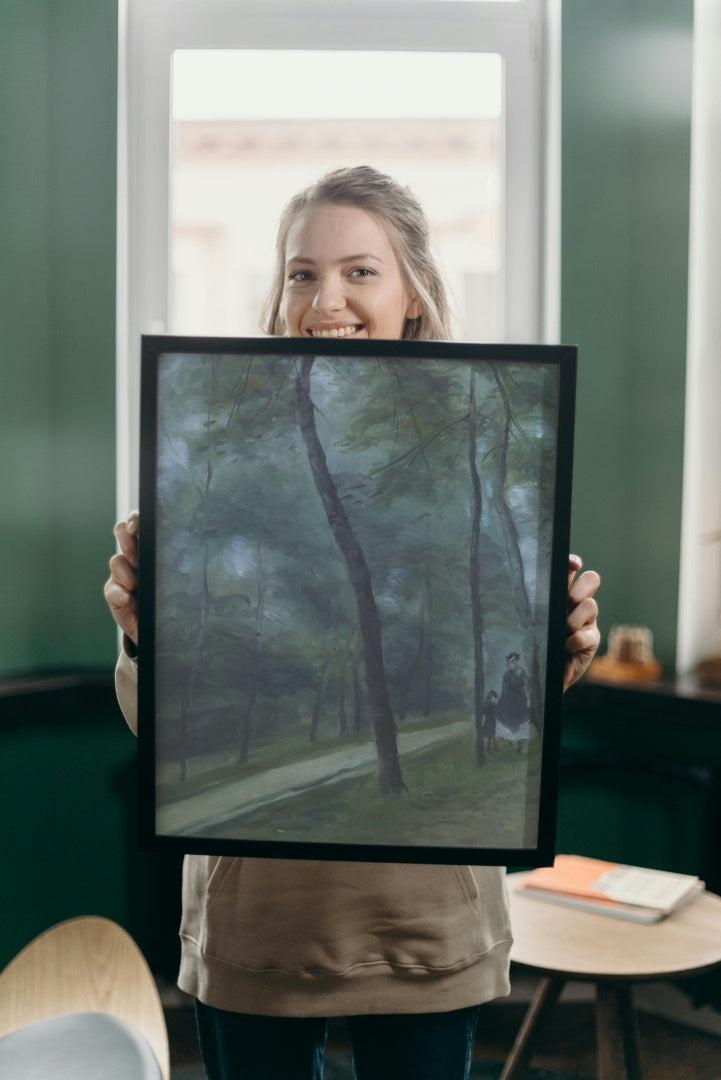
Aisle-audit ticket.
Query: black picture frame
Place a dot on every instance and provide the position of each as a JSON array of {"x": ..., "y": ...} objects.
[{"x": 342, "y": 546}]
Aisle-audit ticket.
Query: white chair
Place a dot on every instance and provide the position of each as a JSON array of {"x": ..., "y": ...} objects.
[{"x": 80, "y": 1002}]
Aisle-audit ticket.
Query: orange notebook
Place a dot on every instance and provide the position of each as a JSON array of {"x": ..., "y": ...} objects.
[{"x": 632, "y": 892}]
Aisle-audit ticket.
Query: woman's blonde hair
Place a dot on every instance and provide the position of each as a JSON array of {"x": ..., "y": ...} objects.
[{"x": 403, "y": 217}]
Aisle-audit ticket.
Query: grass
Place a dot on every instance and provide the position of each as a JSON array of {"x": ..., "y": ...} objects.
[
  {"x": 448, "y": 801},
  {"x": 219, "y": 766}
]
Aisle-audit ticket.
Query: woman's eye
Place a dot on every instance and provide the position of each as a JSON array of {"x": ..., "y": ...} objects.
[
  {"x": 362, "y": 272},
  {"x": 300, "y": 276}
]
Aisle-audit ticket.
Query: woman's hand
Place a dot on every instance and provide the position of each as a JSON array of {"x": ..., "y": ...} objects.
[
  {"x": 583, "y": 635},
  {"x": 121, "y": 587}
]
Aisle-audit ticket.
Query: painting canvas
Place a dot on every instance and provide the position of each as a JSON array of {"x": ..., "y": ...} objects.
[{"x": 352, "y": 597}]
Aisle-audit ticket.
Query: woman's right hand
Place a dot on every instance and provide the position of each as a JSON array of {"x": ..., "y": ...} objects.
[{"x": 121, "y": 587}]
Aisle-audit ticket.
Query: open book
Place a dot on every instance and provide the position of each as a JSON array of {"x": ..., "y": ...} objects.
[{"x": 608, "y": 888}]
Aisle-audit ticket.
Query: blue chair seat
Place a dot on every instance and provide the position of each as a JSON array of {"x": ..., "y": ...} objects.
[{"x": 78, "y": 1046}]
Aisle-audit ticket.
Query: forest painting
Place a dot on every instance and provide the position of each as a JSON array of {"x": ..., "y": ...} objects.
[{"x": 352, "y": 597}]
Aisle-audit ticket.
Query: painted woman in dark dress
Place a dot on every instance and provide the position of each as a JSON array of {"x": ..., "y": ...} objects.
[{"x": 513, "y": 710}]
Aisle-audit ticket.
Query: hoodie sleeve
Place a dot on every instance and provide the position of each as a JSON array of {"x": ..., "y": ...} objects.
[{"x": 126, "y": 688}]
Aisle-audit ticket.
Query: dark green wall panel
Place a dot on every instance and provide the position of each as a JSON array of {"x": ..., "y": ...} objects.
[
  {"x": 65, "y": 790},
  {"x": 58, "y": 81},
  {"x": 25, "y": 397},
  {"x": 68, "y": 798},
  {"x": 626, "y": 145}
]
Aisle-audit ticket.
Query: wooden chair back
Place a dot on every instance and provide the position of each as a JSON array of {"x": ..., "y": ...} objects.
[{"x": 87, "y": 964}]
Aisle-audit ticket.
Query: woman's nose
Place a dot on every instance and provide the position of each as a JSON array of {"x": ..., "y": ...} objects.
[{"x": 329, "y": 296}]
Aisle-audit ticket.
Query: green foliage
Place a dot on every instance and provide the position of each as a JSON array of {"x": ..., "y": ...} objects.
[{"x": 250, "y": 583}]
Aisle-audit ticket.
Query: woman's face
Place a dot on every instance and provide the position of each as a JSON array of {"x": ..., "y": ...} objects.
[{"x": 342, "y": 277}]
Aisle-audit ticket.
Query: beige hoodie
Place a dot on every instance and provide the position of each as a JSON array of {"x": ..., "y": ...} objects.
[{"x": 285, "y": 937}]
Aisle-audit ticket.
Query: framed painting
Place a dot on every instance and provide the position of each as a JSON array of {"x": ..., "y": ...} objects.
[{"x": 352, "y": 597}]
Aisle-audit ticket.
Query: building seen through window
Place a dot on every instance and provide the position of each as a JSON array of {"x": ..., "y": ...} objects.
[{"x": 231, "y": 175}]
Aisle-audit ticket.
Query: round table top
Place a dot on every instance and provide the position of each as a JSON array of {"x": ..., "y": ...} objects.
[{"x": 559, "y": 940}]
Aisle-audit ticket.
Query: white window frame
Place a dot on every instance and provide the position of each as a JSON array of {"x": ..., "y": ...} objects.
[
  {"x": 526, "y": 34},
  {"x": 699, "y": 597}
]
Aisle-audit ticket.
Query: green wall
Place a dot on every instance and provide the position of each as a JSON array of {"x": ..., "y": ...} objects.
[
  {"x": 58, "y": 70},
  {"x": 626, "y": 145},
  {"x": 66, "y": 759}
]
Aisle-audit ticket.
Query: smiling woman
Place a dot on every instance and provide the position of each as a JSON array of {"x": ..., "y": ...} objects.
[
  {"x": 353, "y": 259},
  {"x": 314, "y": 942},
  {"x": 332, "y": 292}
]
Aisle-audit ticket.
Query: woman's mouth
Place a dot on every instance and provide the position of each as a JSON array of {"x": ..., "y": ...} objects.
[{"x": 334, "y": 331}]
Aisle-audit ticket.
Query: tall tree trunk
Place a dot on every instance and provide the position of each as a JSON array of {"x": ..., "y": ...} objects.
[
  {"x": 342, "y": 682},
  {"x": 498, "y": 478},
  {"x": 246, "y": 734},
  {"x": 389, "y": 771},
  {"x": 357, "y": 700},
  {"x": 420, "y": 654},
  {"x": 428, "y": 665},
  {"x": 186, "y": 700},
  {"x": 319, "y": 698},
  {"x": 475, "y": 577}
]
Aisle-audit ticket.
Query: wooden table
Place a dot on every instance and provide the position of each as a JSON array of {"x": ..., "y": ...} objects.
[{"x": 563, "y": 944}]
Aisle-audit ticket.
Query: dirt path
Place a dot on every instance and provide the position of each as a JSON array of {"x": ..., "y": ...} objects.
[{"x": 187, "y": 817}]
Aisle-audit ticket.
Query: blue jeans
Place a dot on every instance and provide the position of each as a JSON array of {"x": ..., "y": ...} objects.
[{"x": 416, "y": 1046}]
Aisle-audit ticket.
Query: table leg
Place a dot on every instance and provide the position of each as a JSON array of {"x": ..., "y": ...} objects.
[
  {"x": 545, "y": 997},
  {"x": 617, "y": 1033}
]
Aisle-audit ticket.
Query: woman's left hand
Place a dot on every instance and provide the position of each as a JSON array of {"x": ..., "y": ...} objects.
[{"x": 583, "y": 635}]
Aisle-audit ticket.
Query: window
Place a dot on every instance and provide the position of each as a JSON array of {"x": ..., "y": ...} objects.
[
  {"x": 235, "y": 161},
  {"x": 699, "y": 623},
  {"x": 227, "y": 107}
]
